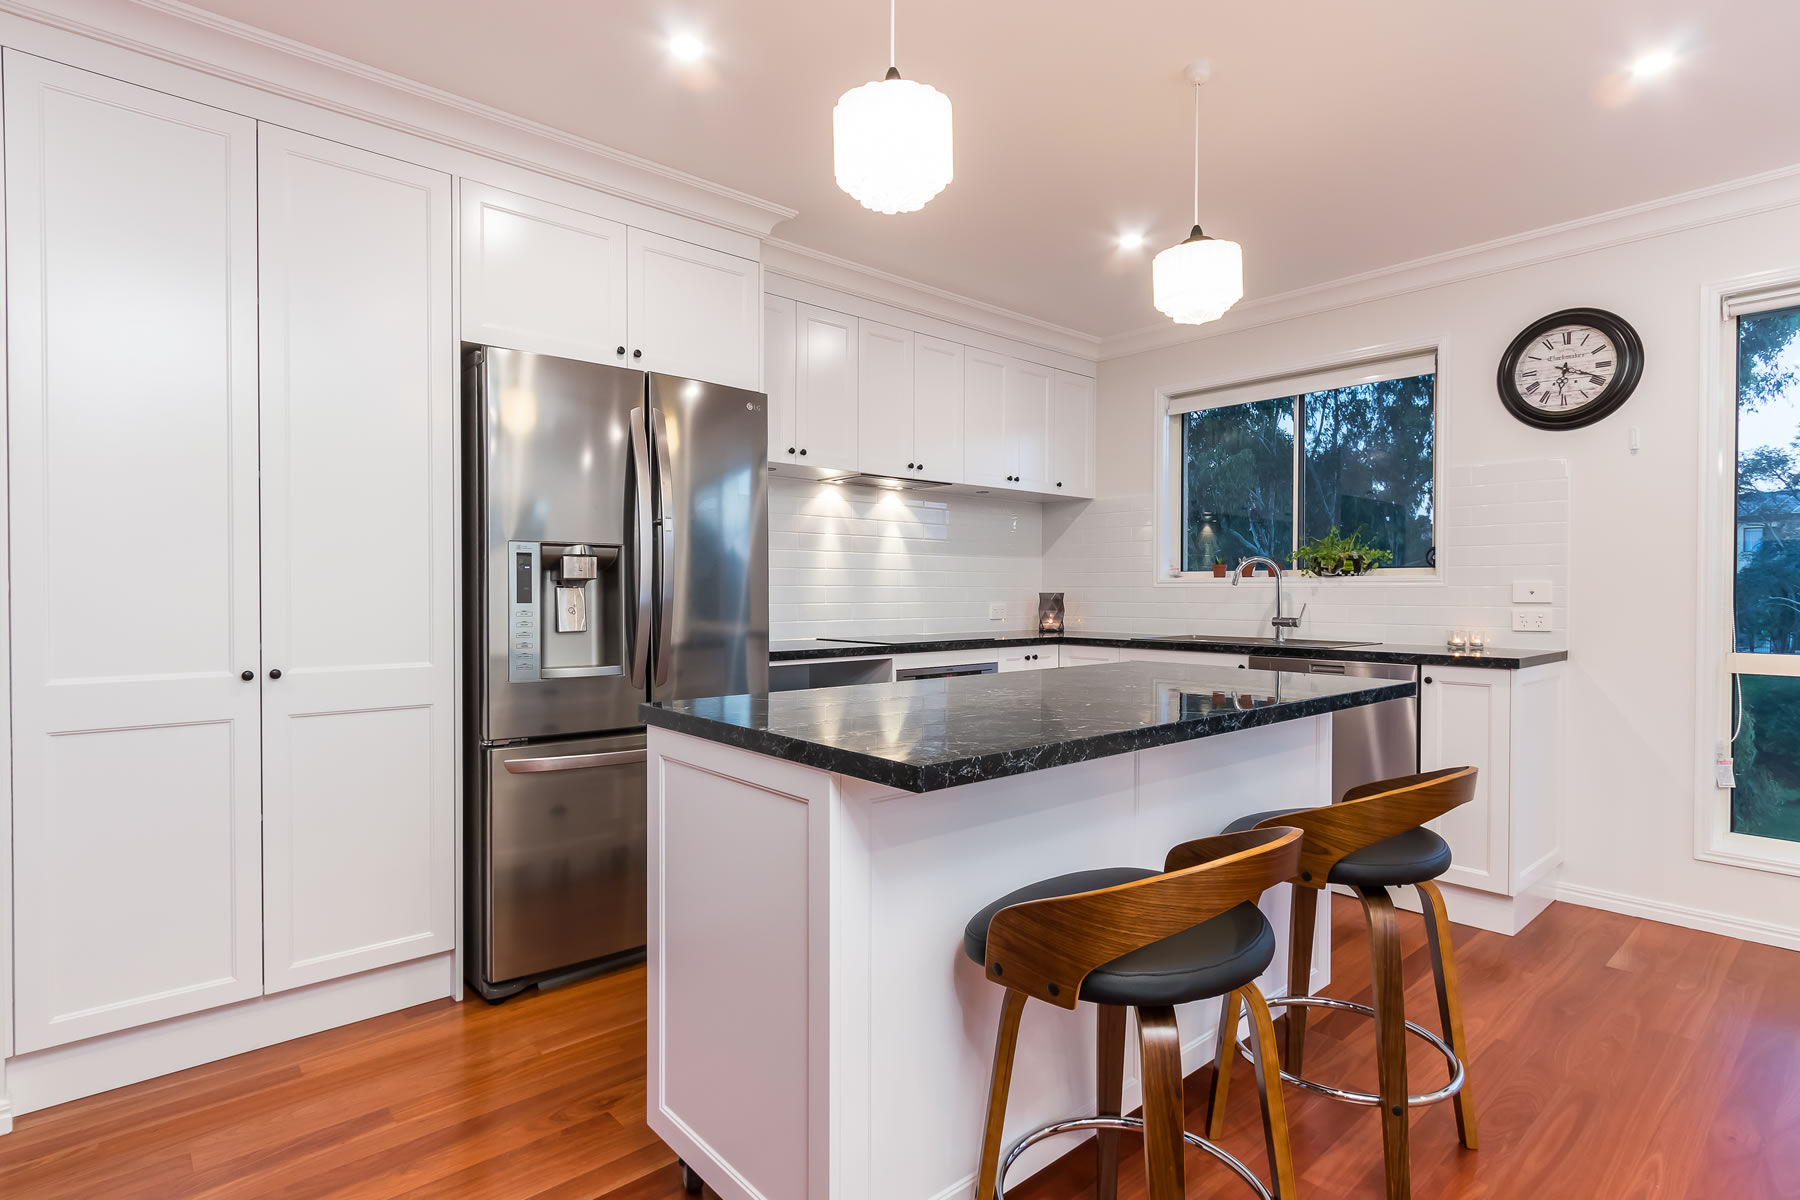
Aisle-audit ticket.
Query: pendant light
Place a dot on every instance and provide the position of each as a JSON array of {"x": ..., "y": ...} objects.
[
  {"x": 892, "y": 140},
  {"x": 1197, "y": 280}
]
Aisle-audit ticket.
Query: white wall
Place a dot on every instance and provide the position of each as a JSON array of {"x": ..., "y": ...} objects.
[
  {"x": 846, "y": 561},
  {"x": 1631, "y": 602}
]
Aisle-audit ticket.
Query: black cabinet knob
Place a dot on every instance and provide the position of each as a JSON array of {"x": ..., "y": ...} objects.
[
  {"x": 909, "y": 466},
  {"x": 274, "y": 672},
  {"x": 921, "y": 466},
  {"x": 790, "y": 449},
  {"x": 1059, "y": 483},
  {"x": 637, "y": 354},
  {"x": 803, "y": 453},
  {"x": 621, "y": 350},
  {"x": 247, "y": 676},
  {"x": 1428, "y": 679}
]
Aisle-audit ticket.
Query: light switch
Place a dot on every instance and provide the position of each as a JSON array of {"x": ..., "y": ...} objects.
[
  {"x": 1531, "y": 591},
  {"x": 997, "y": 610}
]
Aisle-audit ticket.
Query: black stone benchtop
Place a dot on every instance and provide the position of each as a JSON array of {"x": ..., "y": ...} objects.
[
  {"x": 927, "y": 734},
  {"x": 879, "y": 645}
]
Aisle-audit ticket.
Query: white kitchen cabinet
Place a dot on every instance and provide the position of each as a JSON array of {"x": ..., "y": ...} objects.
[
  {"x": 884, "y": 400},
  {"x": 937, "y": 397},
  {"x": 358, "y": 564},
  {"x": 1197, "y": 658},
  {"x": 1006, "y": 422},
  {"x": 131, "y": 286},
  {"x": 694, "y": 311},
  {"x": 1072, "y": 449},
  {"x": 1026, "y": 658},
  {"x": 1463, "y": 722},
  {"x": 1083, "y": 656},
  {"x": 542, "y": 278},
  {"x": 825, "y": 384},
  {"x": 780, "y": 350}
]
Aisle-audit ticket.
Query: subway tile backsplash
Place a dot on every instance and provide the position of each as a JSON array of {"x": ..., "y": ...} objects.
[{"x": 847, "y": 561}]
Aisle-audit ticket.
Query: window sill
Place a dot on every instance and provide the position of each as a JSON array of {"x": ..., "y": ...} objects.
[
  {"x": 1754, "y": 853},
  {"x": 1401, "y": 576}
]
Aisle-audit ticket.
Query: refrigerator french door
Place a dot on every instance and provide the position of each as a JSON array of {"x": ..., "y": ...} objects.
[{"x": 617, "y": 552}]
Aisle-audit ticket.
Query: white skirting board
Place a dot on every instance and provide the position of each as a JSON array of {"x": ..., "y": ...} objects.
[
  {"x": 1767, "y": 933},
  {"x": 36, "y": 1081}
]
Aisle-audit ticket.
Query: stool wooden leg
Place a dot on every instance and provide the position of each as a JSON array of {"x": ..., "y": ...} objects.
[
  {"x": 1301, "y": 925},
  {"x": 1268, "y": 1086},
  {"x": 1011, "y": 1009},
  {"x": 1390, "y": 1038},
  {"x": 1449, "y": 994},
  {"x": 1110, "y": 1073},
  {"x": 1223, "y": 1057},
  {"x": 1165, "y": 1152}
]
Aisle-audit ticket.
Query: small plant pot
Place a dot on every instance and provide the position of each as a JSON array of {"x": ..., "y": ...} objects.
[
  {"x": 1220, "y": 570},
  {"x": 1249, "y": 570}
]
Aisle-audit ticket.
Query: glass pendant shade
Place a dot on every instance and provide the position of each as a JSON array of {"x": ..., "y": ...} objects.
[
  {"x": 893, "y": 144},
  {"x": 1197, "y": 280}
]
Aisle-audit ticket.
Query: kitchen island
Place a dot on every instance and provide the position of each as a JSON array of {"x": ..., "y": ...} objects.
[{"x": 814, "y": 1028}]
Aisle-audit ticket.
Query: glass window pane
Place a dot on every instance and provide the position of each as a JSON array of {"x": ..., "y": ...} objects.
[
  {"x": 1237, "y": 483},
  {"x": 1766, "y": 800},
  {"x": 1766, "y": 600},
  {"x": 1368, "y": 466}
]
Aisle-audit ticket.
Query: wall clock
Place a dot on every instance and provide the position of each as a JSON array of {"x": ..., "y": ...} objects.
[{"x": 1571, "y": 368}]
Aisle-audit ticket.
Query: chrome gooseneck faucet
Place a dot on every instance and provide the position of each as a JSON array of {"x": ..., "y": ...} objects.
[{"x": 1282, "y": 624}]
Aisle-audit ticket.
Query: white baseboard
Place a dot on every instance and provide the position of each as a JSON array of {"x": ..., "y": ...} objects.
[
  {"x": 5, "y": 1118},
  {"x": 1766, "y": 933},
  {"x": 86, "y": 1068}
]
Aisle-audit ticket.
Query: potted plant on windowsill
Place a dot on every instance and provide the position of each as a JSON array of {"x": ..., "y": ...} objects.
[
  {"x": 1219, "y": 571},
  {"x": 1333, "y": 555}
]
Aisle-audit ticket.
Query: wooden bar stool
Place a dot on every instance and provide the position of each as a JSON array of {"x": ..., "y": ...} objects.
[
  {"x": 1126, "y": 937},
  {"x": 1372, "y": 840}
]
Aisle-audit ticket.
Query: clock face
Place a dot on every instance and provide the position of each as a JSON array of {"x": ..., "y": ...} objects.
[
  {"x": 1568, "y": 368},
  {"x": 1571, "y": 368}
]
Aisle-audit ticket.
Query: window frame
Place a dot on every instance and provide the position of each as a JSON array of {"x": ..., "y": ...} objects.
[
  {"x": 1716, "y": 658},
  {"x": 1167, "y": 443}
]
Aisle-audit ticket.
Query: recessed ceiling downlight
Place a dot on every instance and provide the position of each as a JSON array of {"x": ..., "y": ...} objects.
[
  {"x": 687, "y": 48},
  {"x": 1650, "y": 65}
]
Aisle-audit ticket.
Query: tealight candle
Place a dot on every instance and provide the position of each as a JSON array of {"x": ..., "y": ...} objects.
[
  {"x": 1477, "y": 639},
  {"x": 1458, "y": 640}
]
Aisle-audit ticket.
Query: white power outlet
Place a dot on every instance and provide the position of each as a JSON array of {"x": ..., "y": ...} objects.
[
  {"x": 1531, "y": 620},
  {"x": 996, "y": 610}
]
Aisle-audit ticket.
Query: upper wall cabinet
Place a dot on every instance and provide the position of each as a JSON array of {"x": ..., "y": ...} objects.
[
  {"x": 132, "y": 294},
  {"x": 695, "y": 311},
  {"x": 1006, "y": 422},
  {"x": 909, "y": 404},
  {"x": 358, "y": 414},
  {"x": 542, "y": 278},
  {"x": 1072, "y": 435},
  {"x": 937, "y": 408},
  {"x": 551, "y": 280},
  {"x": 780, "y": 357},
  {"x": 825, "y": 386}
]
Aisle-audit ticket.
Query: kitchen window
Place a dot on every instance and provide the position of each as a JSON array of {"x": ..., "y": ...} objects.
[
  {"x": 1258, "y": 468},
  {"x": 1762, "y": 647}
]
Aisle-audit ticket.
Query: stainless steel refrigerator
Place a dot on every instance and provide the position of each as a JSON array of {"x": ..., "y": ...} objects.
[{"x": 616, "y": 550}]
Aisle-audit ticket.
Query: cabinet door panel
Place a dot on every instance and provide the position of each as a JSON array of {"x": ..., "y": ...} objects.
[
  {"x": 987, "y": 456},
  {"x": 884, "y": 400},
  {"x": 938, "y": 369},
  {"x": 358, "y": 560},
  {"x": 695, "y": 312},
  {"x": 1036, "y": 658},
  {"x": 779, "y": 348},
  {"x": 1028, "y": 422},
  {"x": 540, "y": 277},
  {"x": 1463, "y": 722},
  {"x": 131, "y": 286},
  {"x": 825, "y": 388},
  {"x": 1072, "y": 436}
]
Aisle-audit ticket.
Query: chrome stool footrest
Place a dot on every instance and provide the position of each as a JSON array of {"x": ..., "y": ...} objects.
[
  {"x": 1457, "y": 1073},
  {"x": 1129, "y": 1124}
]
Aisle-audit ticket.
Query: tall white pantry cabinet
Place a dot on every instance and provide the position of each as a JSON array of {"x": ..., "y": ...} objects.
[{"x": 233, "y": 568}]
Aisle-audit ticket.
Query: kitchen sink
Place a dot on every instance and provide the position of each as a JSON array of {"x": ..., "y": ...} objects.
[{"x": 1243, "y": 640}]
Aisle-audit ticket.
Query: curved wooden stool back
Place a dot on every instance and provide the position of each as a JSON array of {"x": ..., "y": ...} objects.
[{"x": 1046, "y": 948}]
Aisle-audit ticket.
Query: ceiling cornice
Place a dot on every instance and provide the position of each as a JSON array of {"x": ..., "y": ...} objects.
[
  {"x": 177, "y": 33},
  {"x": 1734, "y": 199}
]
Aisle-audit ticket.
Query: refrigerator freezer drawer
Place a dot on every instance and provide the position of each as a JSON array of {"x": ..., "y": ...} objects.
[{"x": 565, "y": 878}]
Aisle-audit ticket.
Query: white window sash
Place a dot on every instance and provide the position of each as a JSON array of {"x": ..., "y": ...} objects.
[{"x": 1281, "y": 386}]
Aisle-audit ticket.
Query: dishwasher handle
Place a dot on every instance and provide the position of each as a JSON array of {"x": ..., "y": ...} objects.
[{"x": 1325, "y": 668}]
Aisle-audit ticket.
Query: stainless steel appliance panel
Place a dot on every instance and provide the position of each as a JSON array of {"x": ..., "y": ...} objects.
[
  {"x": 947, "y": 672},
  {"x": 1370, "y": 743},
  {"x": 551, "y": 466},
  {"x": 709, "y": 464},
  {"x": 564, "y": 877}
]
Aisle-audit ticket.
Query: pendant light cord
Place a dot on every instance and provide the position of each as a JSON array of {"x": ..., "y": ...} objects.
[
  {"x": 1196, "y": 156},
  {"x": 893, "y": 58}
]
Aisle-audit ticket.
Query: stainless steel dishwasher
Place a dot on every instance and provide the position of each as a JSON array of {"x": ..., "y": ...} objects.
[{"x": 1376, "y": 741}]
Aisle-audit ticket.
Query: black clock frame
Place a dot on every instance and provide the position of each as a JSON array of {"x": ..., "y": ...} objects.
[{"x": 1624, "y": 381}]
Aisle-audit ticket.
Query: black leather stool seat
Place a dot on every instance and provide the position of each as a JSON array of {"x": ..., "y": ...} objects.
[
  {"x": 1211, "y": 959},
  {"x": 1410, "y": 857}
]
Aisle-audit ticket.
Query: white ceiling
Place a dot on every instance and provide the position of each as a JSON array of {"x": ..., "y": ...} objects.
[{"x": 1338, "y": 137}]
